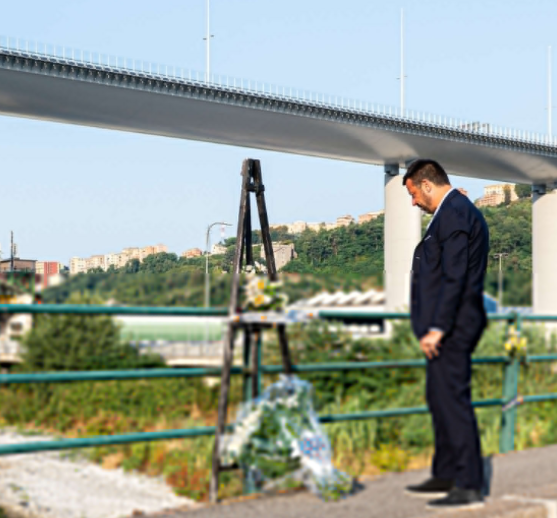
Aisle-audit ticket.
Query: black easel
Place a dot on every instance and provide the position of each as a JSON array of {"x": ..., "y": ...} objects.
[{"x": 251, "y": 183}]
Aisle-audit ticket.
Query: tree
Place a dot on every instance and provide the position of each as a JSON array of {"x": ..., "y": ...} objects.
[
  {"x": 80, "y": 342},
  {"x": 158, "y": 263},
  {"x": 132, "y": 266},
  {"x": 507, "y": 190},
  {"x": 522, "y": 190},
  {"x": 228, "y": 259}
]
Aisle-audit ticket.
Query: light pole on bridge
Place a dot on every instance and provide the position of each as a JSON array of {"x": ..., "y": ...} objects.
[
  {"x": 549, "y": 96},
  {"x": 207, "y": 39}
]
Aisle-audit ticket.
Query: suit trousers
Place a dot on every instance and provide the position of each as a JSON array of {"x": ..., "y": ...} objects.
[{"x": 457, "y": 444}]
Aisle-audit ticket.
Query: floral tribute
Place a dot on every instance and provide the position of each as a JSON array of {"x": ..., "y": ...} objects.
[
  {"x": 278, "y": 435},
  {"x": 263, "y": 295},
  {"x": 515, "y": 345}
]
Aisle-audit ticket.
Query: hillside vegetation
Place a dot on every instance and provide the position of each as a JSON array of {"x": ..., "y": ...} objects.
[{"x": 343, "y": 258}]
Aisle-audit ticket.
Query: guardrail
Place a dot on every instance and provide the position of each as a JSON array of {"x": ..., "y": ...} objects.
[{"x": 510, "y": 382}]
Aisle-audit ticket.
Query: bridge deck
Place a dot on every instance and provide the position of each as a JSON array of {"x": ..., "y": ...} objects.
[{"x": 65, "y": 90}]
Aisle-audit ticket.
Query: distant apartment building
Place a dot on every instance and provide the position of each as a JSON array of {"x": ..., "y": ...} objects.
[
  {"x": 495, "y": 195},
  {"x": 132, "y": 253},
  {"x": 316, "y": 227},
  {"x": 292, "y": 228},
  {"x": 115, "y": 260},
  {"x": 146, "y": 251},
  {"x": 77, "y": 265},
  {"x": 369, "y": 216},
  {"x": 149, "y": 250},
  {"x": 297, "y": 227},
  {"x": 218, "y": 249},
  {"x": 49, "y": 270},
  {"x": 20, "y": 265},
  {"x": 95, "y": 261},
  {"x": 283, "y": 252},
  {"x": 105, "y": 261},
  {"x": 192, "y": 252},
  {"x": 344, "y": 221}
]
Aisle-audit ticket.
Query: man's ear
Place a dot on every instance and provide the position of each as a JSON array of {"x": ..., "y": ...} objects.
[{"x": 427, "y": 186}]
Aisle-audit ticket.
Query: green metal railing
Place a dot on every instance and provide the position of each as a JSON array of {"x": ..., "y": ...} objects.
[{"x": 511, "y": 368}]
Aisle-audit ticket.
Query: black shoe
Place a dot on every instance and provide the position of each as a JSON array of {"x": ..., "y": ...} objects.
[
  {"x": 458, "y": 499},
  {"x": 432, "y": 488}
]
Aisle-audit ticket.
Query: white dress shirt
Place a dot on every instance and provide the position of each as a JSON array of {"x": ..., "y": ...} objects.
[{"x": 438, "y": 207}]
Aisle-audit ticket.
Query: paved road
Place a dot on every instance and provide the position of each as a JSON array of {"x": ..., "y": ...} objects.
[{"x": 524, "y": 485}]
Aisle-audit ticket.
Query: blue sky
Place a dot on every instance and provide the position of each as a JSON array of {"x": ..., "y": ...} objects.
[{"x": 69, "y": 190}]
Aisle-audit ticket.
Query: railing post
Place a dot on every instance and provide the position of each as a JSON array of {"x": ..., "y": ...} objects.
[
  {"x": 248, "y": 481},
  {"x": 247, "y": 392},
  {"x": 510, "y": 392},
  {"x": 258, "y": 356}
]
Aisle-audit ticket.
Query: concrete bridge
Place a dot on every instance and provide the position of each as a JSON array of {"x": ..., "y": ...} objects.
[{"x": 78, "y": 88}]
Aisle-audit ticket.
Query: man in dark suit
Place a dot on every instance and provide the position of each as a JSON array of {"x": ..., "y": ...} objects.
[{"x": 448, "y": 318}]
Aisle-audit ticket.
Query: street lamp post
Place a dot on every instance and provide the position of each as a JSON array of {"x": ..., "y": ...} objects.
[
  {"x": 500, "y": 278},
  {"x": 207, "y": 39},
  {"x": 207, "y": 288}
]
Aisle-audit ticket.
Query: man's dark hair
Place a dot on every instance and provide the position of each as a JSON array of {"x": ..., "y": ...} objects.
[{"x": 426, "y": 169}]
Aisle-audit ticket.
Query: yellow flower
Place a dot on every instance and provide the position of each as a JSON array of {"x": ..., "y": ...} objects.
[
  {"x": 261, "y": 284},
  {"x": 515, "y": 343},
  {"x": 257, "y": 301}
]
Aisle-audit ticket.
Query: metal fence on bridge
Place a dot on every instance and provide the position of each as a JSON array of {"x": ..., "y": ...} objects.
[{"x": 511, "y": 368}]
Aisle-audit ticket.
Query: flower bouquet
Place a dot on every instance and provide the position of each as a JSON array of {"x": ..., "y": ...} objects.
[
  {"x": 278, "y": 435},
  {"x": 263, "y": 295}
]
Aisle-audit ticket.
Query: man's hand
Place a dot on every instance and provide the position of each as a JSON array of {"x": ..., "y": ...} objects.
[{"x": 430, "y": 343}]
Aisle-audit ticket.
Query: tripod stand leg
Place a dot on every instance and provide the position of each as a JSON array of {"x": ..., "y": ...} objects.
[
  {"x": 264, "y": 220},
  {"x": 256, "y": 364},
  {"x": 229, "y": 344},
  {"x": 270, "y": 256},
  {"x": 222, "y": 411},
  {"x": 284, "y": 349},
  {"x": 248, "y": 372}
]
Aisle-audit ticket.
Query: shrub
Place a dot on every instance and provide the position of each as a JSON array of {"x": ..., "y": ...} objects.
[{"x": 65, "y": 342}]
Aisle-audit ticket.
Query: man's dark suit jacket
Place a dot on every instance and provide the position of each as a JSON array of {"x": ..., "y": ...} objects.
[{"x": 448, "y": 271}]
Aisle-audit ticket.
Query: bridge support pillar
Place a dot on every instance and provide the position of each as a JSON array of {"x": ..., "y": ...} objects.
[
  {"x": 544, "y": 249},
  {"x": 402, "y": 234}
]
